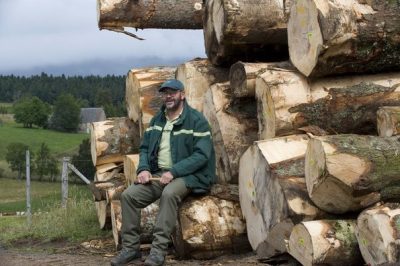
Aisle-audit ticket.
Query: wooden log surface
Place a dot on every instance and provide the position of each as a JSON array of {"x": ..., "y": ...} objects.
[
  {"x": 209, "y": 227},
  {"x": 103, "y": 212},
  {"x": 242, "y": 76},
  {"x": 245, "y": 30},
  {"x": 378, "y": 234},
  {"x": 113, "y": 138},
  {"x": 106, "y": 172},
  {"x": 347, "y": 173},
  {"x": 131, "y": 162},
  {"x": 141, "y": 93},
  {"x": 234, "y": 128},
  {"x": 287, "y": 100},
  {"x": 197, "y": 76},
  {"x": 272, "y": 192},
  {"x": 325, "y": 242},
  {"x": 388, "y": 121},
  {"x": 182, "y": 14},
  {"x": 335, "y": 37}
]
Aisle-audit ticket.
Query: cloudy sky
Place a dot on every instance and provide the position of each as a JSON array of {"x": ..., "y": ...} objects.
[{"x": 61, "y": 36}]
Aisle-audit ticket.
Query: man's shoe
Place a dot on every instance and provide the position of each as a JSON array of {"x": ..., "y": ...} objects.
[
  {"x": 125, "y": 256},
  {"x": 155, "y": 259}
]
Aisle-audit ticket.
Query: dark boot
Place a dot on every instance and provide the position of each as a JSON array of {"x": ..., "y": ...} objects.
[
  {"x": 126, "y": 256},
  {"x": 155, "y": 259}
]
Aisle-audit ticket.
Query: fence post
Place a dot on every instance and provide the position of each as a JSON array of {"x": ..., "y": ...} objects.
[
  {"x": 28, "y": 188},
  {"x": 64, "y": 182}
]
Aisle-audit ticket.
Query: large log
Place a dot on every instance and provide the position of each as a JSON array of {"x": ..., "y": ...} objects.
[
  {"x": 141, "y": 93},
  {"x": 103, "y": 212},
  {"x": 197, "y": 76},
  {"x": 209, "y": 227},
  {"x": 113, "y": 138},
  {"x": 350, "y": 172},
  {"x": 287, "y": 101},
  {"x": 272, "y": 192},
  {"x": 131, "y": 162},
  {"x": 242, "y": 76},
  {"x": 334, "y": 37},
  {"x": 245, "y": 30},
  {"x": 325, "y": 242},
  {"x": 378, "y": 234},
  {"x": 173, "y": 14},
  {"x": 388, "y": 121},
  {"x": 234, "y": 128}
]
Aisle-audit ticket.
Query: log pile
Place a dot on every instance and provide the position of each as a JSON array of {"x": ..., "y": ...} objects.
[{"x": 295, "y": 127}]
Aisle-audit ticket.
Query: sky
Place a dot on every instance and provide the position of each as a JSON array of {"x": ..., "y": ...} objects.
[{"x": 62, "y": 37}]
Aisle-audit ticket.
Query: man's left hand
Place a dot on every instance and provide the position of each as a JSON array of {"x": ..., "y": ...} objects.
[{"x": 166, "y": 178}]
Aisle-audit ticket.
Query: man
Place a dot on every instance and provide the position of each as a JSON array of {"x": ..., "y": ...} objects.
[{"x": 177, "y": 147}]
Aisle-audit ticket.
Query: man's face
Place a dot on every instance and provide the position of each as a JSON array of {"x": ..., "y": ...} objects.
[{"x": 173, "y": 99}]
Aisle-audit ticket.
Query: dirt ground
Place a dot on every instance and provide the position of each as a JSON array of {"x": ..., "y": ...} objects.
[{"x": 100, "y": 252}]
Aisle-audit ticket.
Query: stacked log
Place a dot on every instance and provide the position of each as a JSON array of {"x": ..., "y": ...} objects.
[
  {"x": 141, "y": 93},
  {"x": 388, "y": 121},
  {"x": 336, "y": 37},
  {"x": 197, "y": 76},
  {"x": 131, "y": 162},
  {"x": 234, "y": 127}
]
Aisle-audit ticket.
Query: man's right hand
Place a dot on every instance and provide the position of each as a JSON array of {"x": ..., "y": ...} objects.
[{"x": 143, "y": 177}]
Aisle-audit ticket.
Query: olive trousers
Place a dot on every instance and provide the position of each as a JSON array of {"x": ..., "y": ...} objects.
[{"x": 138, "y": 196}]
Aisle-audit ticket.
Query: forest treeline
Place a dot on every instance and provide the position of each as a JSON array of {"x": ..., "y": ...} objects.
[{"x": 90, "y": 91}]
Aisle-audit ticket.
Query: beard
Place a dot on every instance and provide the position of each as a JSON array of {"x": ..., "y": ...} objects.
[{"x": 173, "y": 104}]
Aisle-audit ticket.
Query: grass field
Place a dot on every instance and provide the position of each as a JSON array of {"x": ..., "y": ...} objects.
[{"x": 49, "y": 221}]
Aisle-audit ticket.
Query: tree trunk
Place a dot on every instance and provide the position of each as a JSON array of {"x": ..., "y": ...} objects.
[
  {"x": 325, "y": 242},
  {"x": 272, "y": 192},
  {"x": 131, "y": 161},
  {"x": 378, "y": 234},
  {"x": 350, "y": 172},
  {"x": 183, "y": 14},
  {"x": 103, "y": 214},
  {"x": 141, "y": 93},
  {"x": 242, "y": 76},
  {"x": 234, "y": 128},
  {"x": 229, "y": 192},
  {"x": 243, "y": 30},
  {"x": 388, "y": 118},
  {"x": 287, "y": 101},
  {"x": 113, "y": 138},
  {"x": 335, "y": 37},
  {"x": 197, "y": 76},
  {"x": 209, "y": 227}
]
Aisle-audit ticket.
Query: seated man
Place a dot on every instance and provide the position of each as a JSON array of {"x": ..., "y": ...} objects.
[{"x": 177, "y": 147}]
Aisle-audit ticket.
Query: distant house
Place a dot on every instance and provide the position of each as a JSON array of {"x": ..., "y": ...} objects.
[{"x": 90, "y": 115}]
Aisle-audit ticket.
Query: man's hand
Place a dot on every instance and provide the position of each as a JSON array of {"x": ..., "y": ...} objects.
[
  {"x": 143, "y": 177},
  {"x": 166, "y": 178}
]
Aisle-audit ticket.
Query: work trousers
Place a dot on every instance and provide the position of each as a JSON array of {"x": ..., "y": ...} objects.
[{"x": 138, "y": 196}]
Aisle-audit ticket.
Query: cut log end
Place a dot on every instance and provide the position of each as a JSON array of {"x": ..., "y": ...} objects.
[
  {"x": 300, "y": 243},
  {"x": 304, "y": 47},
  {"x": 238, "y": 80}
]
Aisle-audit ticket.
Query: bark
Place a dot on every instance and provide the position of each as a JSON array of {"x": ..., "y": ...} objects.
[
  {"x": 378, "y": 234},
  {"x": 141, "y": 93},
  {"x": 103, "y": 214},
  {"x": 234, "y": 128},
  {"x": 113, "y": 138},
  {"x": 229, "y": 192},
  {"x": 325, "y": 242},
  {"x": 131, "y": 162},
  {"x": 183, "y": 14},
  {"x": 209, "y": 227},
  {"x": 335, "y": 37},
  {"x": 388, "y": 121},
  {"x": 245, "y": 30},
  {"x": 272, "y": 192},
  {"x": 288, "y": 101},
  {"x": 197, "y": 76},
  {"x": 350, "y": 172},
  {"x": 242, "y": 76}
]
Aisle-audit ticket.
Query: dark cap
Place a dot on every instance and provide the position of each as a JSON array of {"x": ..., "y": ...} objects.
[{"x": 172, "y": 84}]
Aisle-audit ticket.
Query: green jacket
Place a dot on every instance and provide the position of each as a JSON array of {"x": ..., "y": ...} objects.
[{"x": 192, "y": 150}]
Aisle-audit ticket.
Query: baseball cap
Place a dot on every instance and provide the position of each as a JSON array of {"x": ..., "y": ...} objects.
[{"x": 172, "y": 84}]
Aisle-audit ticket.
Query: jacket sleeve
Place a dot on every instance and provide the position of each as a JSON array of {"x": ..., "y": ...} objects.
[
  {"x": 202, "y": 149},
  {"x": 144, "y": 150}
]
